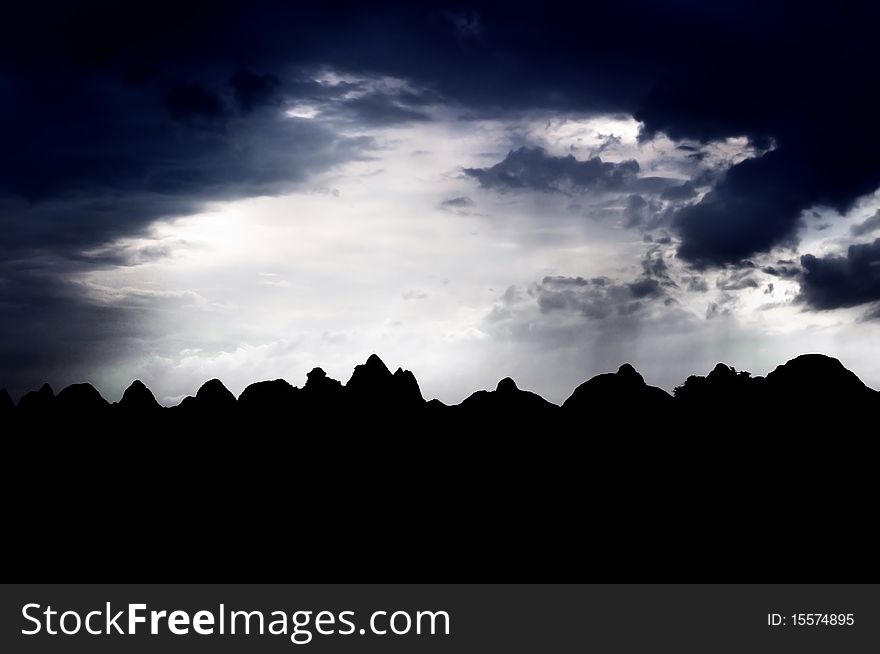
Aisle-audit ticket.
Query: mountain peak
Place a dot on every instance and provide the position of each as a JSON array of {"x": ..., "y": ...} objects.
[
  {"x": 315, "y": 375},
  {"x": 506, "y": 385},
  {"x": 406, "y": 386},
  {"x": 318, "y": 382},
  {"x": 80, "y": 397},
  {"x": 721, "y": 371},
  {"x": 138, "y": 397},
  {"x": 816, "y": 374},
  {"x": 368, "y": 375},
  {"x": 373, "y": 361},
  {"x": 214, "y": 392},
  {"x": 37, "y": 400},
  {"x": 630, "y": 374},
  {"x": 625, "y": 388}
]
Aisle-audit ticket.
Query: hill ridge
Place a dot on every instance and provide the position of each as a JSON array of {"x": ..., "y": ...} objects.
[{"x": 814, "y": 381}]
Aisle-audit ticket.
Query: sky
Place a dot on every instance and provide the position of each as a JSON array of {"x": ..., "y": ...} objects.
[{"x": 470, "y": 190}]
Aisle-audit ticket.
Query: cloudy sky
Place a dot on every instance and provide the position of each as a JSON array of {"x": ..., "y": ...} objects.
[{"x": 249, "y": 190}]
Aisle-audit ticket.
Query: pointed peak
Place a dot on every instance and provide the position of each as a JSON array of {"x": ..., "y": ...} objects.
[
  {"x": 373, "y": 372},
  {"x": 37, "y": 399},
  {"x": 374, "y": 362},
  {"x": 506, "y": 385},
  {"x": 213, "y": 390},
  {"x": 137, "y": 395},
  {"x": 402, "y": 374}
]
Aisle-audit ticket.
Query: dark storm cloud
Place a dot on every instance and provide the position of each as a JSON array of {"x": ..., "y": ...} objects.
[
  {"x": 842, "y": 281},
  {"x": 867, "y": 226},
  {"x": 102, "y": 149},
  {"x": 793, "y": 79},
  {"x": 535, "y": 169},
  {"x": 116, "y": 114},
  {"x": 189, "y": 99},
  {"x": 753, "y": 207},
  {"x": 137, "y": 179},
  {"x": 252, "y": 90}
]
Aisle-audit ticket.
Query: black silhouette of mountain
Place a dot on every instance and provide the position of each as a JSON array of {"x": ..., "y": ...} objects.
[
  {"x": 507, "y": 406},
  {"x": 139, "y": 400},
  {"x": 213, "y": 405},
  {"x": 322, "y": 395},
  {"x": 7, "y": 406},
  {"x": 623, "y": 395},
  {"x": 373, "y": 388},
  {"x": 623, "y": 479},
  {"x": 37, "y": 403},
  {"x": 818, "y": 378},
  {"x": 80, "y": 401},
  {"x": 808, "y": 390},
  {"x": 269, "y": 397}
]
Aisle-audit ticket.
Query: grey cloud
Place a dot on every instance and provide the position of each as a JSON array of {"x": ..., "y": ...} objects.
[
  {"x": 782, "y": 268},
  {"x": 737, "y": 280},
  {"x": 596, "y": 298},
  {"x": 872, "y": 314},
  {"x": 871, "y": 224},
  {"x": 461, "y": 202},
  {"x": 534, "y": 169},
  {"x": 679, "y": 193},
  {"x": 654, "y": 264},
  {"x": 382, "y": 109},
  {"x": 723, "y": 307},
  {"x": 636, "y": 210},
  {"x": 364, "y": 102},
  {"x": 695, "y": 284}
]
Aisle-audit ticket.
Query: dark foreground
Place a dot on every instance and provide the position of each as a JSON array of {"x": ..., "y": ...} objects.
[{"x": 734, "y": 478}]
